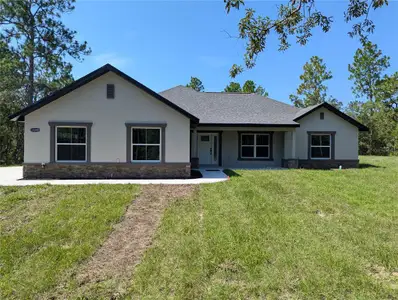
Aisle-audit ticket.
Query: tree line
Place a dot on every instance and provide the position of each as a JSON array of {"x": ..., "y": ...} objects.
[
  {"x": 35, "y": 53},
  {"x": 233, "y": 87}
]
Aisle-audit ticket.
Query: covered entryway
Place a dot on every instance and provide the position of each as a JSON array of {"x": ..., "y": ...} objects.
[{"x": 242, "y": 147}]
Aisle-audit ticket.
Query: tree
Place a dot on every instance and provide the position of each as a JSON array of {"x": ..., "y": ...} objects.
[
  {"x": 10, "y": 76},
  {"x": 297, "y": 18},
  {"x": 248, "y": 87},
  {"x": 11, "y": 133},
  {"x": 261, "y": 91},
  {"x": 367, "y": 69},
  {"x": 387, "y": 93},
  {"x": 313, "y": 90},
  {"x": 233, "y": 87},
  {"x": 11, "y": 100},
  {"x": 366, "y": 73},
  {"x": 383, "y": 136},
  {"x": 34, "y": 32},
  {"x": 251, "y": 87},
  {"x": 196, "y": 84}
]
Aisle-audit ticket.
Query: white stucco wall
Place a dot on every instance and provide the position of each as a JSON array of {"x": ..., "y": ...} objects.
[
  {"x": 108, "y": 134},
  {"x": 346, "y": 138}
]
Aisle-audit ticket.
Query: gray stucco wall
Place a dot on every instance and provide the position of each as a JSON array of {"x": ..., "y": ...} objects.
[
  {"x": 230, "y": 152},
  {"x": 346, "y": 138},
  {"x": 108, "y": 118}
]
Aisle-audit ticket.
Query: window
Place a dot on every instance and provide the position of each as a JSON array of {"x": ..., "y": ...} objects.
[
  {"x": 215, "y": 148},
  {"x": 204, "y": 138},
  {"x": 320, "y": 146},
  {"x": 145, "y": 144},
  {"x": 322, "y": 115},
  {"x": 71, "y": 144},
  {"x": 255, "y": 145},
  {"x": 110, "y": 91}
]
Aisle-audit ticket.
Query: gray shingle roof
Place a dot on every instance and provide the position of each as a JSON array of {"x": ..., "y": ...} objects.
[
  {"x": 303, "y": 111},
  {"x": 231, "y": 108}
]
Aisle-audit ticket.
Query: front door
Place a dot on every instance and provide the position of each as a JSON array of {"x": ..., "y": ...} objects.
[{"x": 208, "y": 148}]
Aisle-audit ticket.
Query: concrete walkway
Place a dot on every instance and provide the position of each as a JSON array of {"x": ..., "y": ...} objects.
[{"x": 12, "y": 176}]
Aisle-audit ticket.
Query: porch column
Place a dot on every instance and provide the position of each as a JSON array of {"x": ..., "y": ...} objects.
[
  {"x": 195, "y": 143},
  {"x": 290, "y": 158},
  {"x": 293, "y": 155},
  {"x": 194, "y": 158}
]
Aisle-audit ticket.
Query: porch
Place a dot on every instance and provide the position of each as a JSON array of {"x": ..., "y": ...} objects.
[{"x": 243, "y": 147}]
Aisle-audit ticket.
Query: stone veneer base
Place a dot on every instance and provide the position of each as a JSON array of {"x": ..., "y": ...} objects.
[
  {"x": 290, "y": 163},
  {"x": 328, "y": 164},
  {"x": 194, "y": 162},
  {"x": 106, "y": 171},
  {"x": 319, "y": 164}
]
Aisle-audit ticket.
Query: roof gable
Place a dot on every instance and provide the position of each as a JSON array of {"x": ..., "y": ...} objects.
[
  {"x": 20, "y": 116},
  {"x": 308, "y": 110}
]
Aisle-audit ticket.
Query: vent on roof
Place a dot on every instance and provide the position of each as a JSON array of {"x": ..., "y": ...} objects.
[
  {"x": 110, "y": 91},
  {"x": 322, "y": 115}
]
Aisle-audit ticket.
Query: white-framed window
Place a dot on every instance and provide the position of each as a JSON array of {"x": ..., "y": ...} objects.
[
  {"x": 320, "y": 146},
  {"x": 71, "y": 144},
  {"x": 255, "y": 145},
  {"x": 145, "y": 144}
]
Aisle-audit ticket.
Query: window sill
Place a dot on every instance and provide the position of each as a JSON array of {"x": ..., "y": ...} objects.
[
  {"x": 320, "y": 158},
  {"x": 255, "y": 159},
  {"x": 70, "y": 162},
  {"x": 145, "y": 161}
]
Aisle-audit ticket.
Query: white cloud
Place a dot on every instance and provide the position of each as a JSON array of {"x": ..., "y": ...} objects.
[
  {"x": 114, "y": 59},
  {"x": 214, "y": 61}
]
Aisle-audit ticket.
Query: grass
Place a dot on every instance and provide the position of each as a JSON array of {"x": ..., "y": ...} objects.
[
  {"x": 289, "y": 234},
  {"x": 46, "y": 231},
  {"x": 293, "y": 234}
]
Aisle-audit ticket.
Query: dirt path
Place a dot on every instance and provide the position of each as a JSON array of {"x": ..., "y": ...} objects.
[{"x": 111, "y": 267}]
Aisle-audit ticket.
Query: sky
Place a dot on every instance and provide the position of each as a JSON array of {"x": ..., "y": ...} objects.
[{"x": 163, "y": 43}]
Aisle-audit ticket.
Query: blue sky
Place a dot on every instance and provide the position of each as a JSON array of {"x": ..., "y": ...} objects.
[{"x": 163, "y": 43}]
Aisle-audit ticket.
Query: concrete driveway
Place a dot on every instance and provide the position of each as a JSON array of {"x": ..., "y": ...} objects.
[{"x": 12, "y": 176}]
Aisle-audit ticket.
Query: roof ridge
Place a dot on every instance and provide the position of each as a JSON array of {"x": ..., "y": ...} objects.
[
  {"x": 178, "y": 86},
  {"x": 238, "y": 93}
]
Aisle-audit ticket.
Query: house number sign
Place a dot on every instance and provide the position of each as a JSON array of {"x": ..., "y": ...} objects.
[{"x": 35, "y": 129}]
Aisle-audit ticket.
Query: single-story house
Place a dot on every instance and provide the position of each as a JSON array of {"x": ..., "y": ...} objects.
[{"x": 108, "y": 125}]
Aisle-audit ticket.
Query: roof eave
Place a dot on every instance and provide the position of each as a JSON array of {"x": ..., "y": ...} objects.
[{"x": 247, "y": 125}]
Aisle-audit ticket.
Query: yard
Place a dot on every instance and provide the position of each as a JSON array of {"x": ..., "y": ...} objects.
[
  {"x": 280, "y": 234},
  {"x": 46, "y": 231},
  {"x": 293, "y": 234}
]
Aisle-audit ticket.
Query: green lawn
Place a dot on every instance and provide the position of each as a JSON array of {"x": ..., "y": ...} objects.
[
  {"x": 293, "y": 234},
  {"x": 46, "y": 231}
]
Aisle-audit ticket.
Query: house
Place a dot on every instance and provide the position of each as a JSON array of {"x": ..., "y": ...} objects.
[{"x": 108, "y": 125}]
